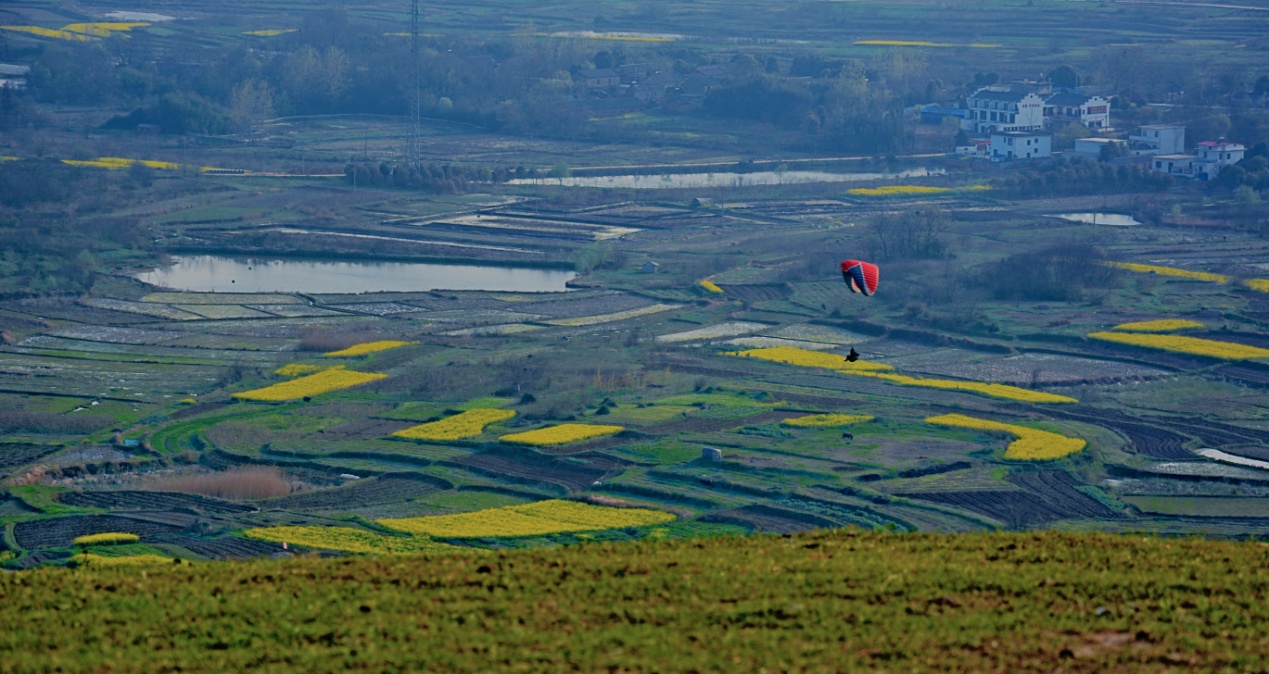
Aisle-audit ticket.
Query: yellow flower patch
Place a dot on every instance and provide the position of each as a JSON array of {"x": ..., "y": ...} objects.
[
  {"x": 531, "y": 519},
  {"x": 1004, "y": 391},
  {"x": 334, "y": 379},
  {"x": 468, "y": 424},
  {"x": 1032, "y": 444},
  {"x": 827, "y": 420},
  {"x": 348, "y": 539},
  {"x": 103, "y": 28},
  {"x": 1258, "y": 284},
  {"x": 270, "y": 32},
  {"x": 131, "y": 560},
  {"x": 47, "y": 32},
  {"x": 367, "y": 347},
  {"x": 1170, "y": 271},
  {"x": 1161, "y": 325},
  {"x": 1191, "y": 345},
  {"x": 106, "y": 538},
  {"x": 561, "y": 434},
  {"x": 711, "y": 286},
  {"x": 297, "y": 369},
  {"x": 807, "y": 358}
]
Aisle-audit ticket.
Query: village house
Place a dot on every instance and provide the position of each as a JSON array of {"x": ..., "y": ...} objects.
[
  {"x": 1158, "y": 139},
  {"x": 998, "y": 109},
  {"x": 1009, "y": 145},
  {"x": 1069, "y": 107},
  {"x": 1093, "y": 148},
  {"x": 599, "y": 78},
  {"x": 1206, "y": 164},
  {"x": 1031, "y": 108},
  {"x": 1214, "y": 156}
]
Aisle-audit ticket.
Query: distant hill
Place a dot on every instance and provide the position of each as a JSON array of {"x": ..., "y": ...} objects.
[{"x": 834, "y": 600}]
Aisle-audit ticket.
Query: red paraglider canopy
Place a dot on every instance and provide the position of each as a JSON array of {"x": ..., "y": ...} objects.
[{"x": 860, "y": 276}]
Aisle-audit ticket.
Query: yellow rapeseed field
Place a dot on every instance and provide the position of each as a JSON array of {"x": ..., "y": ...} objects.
[
  {"x": 827, "y": 420},
  {"x": 1260, "y": 284},
  {"x": 297, "y": 369},
  {"x": 333, "y": 379},
  {"x": 1170, "y": 271},
  {"x": 711, "y": 286},
  {"x": 1192, "y": 345},
  {"x": 860, "y": 368},
  {"x": 103, "y": 28},
  {"x": 269, "y": 32},
  {"x": 48, "y": 32},
  {"x": 897, "y": 190},
  {"x": 116, "y": 163},
  {"x": 367, "y": 347},
  {"x": 1032, "y": 444},
  {"x": 130, "y": 560},
  {"x": 1161, "y": 325},
  {"x": 807, "y": 358},
  {"x": 1004, "y": 391},
  {"x": 561, "y": 434},
  {"x": 531, "y": 519},
  {"x": 109, "y": 537},
  {"x": 348, "y": 539},
  {"x": 468, "y": 424}
]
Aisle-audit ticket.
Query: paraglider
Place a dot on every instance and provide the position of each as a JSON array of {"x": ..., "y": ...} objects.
[{"x": 860, "y": 276}]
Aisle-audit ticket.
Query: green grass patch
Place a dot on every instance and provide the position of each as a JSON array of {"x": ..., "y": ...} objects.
[{"x": 919, "y": 602}]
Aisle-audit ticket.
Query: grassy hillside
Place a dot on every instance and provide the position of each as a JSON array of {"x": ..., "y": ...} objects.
[{"x": 836, "y": 600}]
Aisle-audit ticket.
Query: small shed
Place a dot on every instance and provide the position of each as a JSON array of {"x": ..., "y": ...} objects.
[
  {"x": 711, "y": 454},
  {"x": 651, "y": 267}
]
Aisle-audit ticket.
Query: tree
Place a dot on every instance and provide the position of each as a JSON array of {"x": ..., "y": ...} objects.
[
  {"x": 1064, "y": 76},
  {"x": 250, "y": 104}
]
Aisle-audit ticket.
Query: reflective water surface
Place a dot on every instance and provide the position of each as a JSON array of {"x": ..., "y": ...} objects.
[{"x": 214, "y": 273}]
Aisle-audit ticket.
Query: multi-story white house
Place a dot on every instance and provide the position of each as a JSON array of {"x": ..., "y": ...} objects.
[
  {"x": 1155, "y": 139},
  {"x": 999, "y": 109},
  {"x": 1007, "y": 145},
  {"x": 1214, "y": 156},
  {"x": 1064, "y": 108}
]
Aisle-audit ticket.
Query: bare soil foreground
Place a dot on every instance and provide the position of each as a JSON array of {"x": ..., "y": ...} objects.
[{"x": 832, "y": 600}]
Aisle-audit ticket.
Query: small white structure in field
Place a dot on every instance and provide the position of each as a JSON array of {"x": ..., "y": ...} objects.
[{"x": 712, "y": 454}]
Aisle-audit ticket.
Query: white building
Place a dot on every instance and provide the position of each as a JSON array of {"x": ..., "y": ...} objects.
[
  {"x": 999, "y": 109},
  {"x": 1007, "y": 145},
  {"x": 1067, "y": 107},
  {"x": 1159, "y": 139},
  {"x": 1092, "y": 147},
  {"x": 1214, "y": 156},
  {"x": 1173, "y": 164}
]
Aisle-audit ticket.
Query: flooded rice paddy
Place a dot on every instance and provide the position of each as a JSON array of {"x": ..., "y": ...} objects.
[{"x": 213, "y": 273}]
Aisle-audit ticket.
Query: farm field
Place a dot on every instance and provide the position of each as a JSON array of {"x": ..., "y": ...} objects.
[
  {"x": 693, "y": 364},
  {"x": 219, "y": 425}
]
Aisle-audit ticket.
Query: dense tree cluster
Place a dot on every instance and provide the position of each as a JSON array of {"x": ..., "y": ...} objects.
[
  {"x": 1080, "y": 176},
  {"x": 1045, "y": 275},
  {"x": 42, "y": 248},
  {"x": 445, "y": 178}
]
